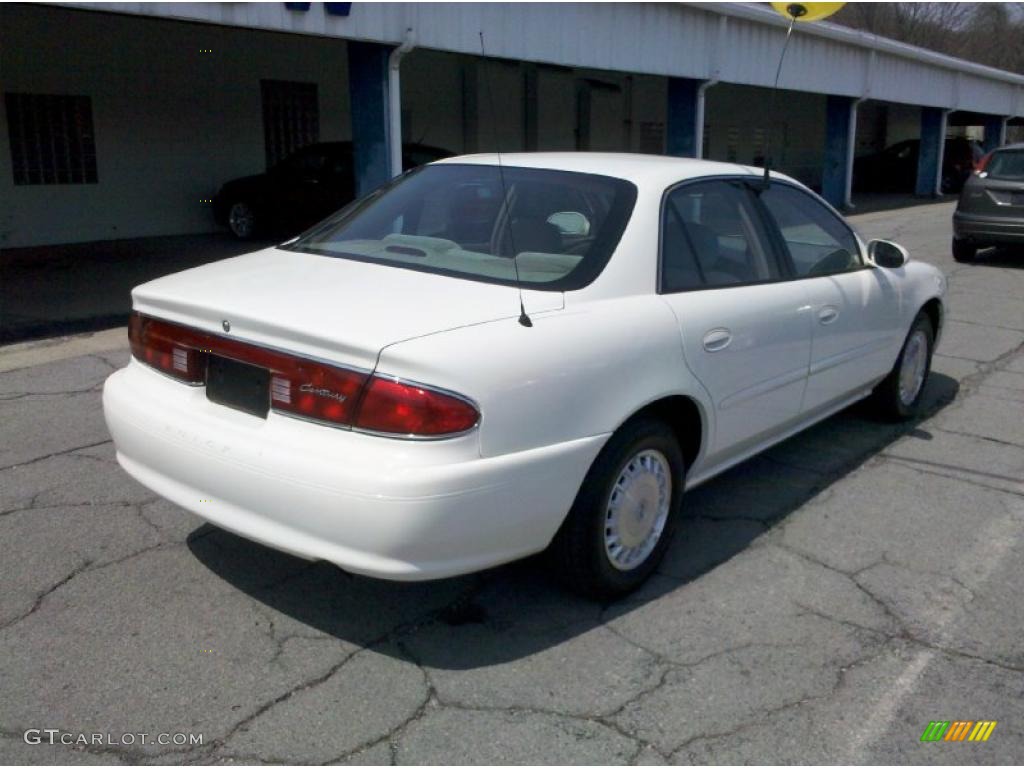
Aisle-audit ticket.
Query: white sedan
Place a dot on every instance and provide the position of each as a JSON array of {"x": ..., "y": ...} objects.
[{"x": 490, "y": 357}]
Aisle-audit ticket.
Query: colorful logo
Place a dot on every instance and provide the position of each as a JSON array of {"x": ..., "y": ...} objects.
[{"x": 958, "y": 730}]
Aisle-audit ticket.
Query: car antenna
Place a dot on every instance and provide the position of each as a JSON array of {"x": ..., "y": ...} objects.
[
  {"x": 524, "y": 319},
  {"x": 794, "y": 11}
]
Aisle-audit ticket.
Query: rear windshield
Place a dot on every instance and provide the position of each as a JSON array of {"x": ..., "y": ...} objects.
[
  {"x": 469, "y": 221},
  {"x": 1006, "y": 165}
]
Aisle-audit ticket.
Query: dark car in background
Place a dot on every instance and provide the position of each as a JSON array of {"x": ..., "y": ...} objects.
[
  {"x": 894, "y": 169},
  {"x": 991, "y": 207},
  {"x": 302, "y": 189}
]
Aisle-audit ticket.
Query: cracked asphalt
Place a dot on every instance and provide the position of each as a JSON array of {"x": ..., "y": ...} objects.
[{"x": 824, "y": 602}]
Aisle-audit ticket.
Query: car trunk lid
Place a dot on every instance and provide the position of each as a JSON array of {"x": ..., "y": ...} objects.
[{"x": 335, "y": 309}]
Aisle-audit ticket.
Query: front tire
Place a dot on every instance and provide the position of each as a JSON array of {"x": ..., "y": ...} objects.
[
  {"x": 625, "y": 512},
  {"x": 898, "y": 397},
  {"x": 964, "y": 251}
]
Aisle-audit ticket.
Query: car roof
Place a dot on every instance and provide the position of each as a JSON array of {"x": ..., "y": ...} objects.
[{"x": 650, "y": 170}]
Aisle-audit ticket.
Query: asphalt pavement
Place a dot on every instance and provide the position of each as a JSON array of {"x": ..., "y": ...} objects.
[
  {"x": 824, "y": 603},
  {"x": 86, "y": 287}
]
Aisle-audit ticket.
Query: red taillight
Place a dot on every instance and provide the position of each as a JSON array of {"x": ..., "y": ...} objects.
[
  {"x": 298, "y": 386},
  {"x": 399, "y": 408},
  {"x": 303, "y": 387},
  {"x": 160, "y": 345},
  {"x": 982, "y": 162}
]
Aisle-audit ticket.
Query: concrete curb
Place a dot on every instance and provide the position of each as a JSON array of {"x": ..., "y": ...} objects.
[{"x": 29, "y": 353}]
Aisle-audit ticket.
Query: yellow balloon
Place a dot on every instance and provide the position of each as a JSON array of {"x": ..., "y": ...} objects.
[{"x": 807, "y": 11}]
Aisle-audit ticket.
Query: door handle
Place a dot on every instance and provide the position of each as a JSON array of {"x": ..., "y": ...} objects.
[
  {"x": 828, "y": 315},
  {"x": 717, "y": 339}
]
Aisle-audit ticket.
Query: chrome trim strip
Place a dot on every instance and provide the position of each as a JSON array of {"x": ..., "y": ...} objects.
[
  {"x": 417, "y": 438},
  {"x": 763, "y": 388},
  {"x": 851, "y": 354},
  {"x": 318, "y": 422}
]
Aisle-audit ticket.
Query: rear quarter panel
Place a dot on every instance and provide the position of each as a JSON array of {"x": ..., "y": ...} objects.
[{"x": 577, "y": 372}]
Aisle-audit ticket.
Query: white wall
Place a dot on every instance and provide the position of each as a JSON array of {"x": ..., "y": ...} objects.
[{"x": 171, "y": 123}]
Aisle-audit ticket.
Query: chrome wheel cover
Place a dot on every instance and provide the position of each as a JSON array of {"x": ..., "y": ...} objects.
[
  {"x": 913, "y": 367},
  {"x": 637, "y": 509},
  {"x": 241, "y": 219}
]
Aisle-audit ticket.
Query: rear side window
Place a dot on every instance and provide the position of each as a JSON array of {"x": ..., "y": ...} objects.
[
  {"x": 1007, "y": 165},
  {"x": 818, "y": 241},
  {"x": 712, "y": 238}
]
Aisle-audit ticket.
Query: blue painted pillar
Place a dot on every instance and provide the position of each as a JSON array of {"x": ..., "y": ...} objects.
[
  {"x": 995, "y": 132},
  {"x": 929, "y": 158},
  {"x": 368, "y": 93},
  {"x": 684, "y": 116},
  {"x": 840, "y": 133}
]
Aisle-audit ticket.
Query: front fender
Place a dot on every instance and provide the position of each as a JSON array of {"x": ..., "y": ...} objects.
[{"x": 922, "y": 283}]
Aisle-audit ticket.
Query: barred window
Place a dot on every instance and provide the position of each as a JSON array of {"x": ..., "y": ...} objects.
[
  {"x": 51, "y": 138},
  {"x": 291, "y": 117}
]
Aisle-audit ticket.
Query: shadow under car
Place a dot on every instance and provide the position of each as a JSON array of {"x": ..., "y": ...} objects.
[{"x": 516, "y": 610}]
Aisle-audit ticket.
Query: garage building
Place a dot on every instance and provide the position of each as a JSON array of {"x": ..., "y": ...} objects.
[{"x": 121, "y": 120}]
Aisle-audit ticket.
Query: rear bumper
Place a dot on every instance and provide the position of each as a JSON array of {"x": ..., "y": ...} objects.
[
  {"x": 988, "y": 229},
  {"x": 375, "y": 506}
]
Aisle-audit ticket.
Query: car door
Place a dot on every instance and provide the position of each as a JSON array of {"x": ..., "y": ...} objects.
[
  {"x": 854, "y": 307},
  {"x": 745, "y": 331}
]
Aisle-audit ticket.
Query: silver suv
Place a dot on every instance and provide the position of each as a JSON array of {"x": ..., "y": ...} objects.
[{"x": 991, "y": 207}]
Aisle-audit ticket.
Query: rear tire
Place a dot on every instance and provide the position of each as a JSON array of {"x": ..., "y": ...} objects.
[
  {"x": 625, "y": 513},
  {"x": 898, "y": 396},
  {"x": 964, "y": 251}
]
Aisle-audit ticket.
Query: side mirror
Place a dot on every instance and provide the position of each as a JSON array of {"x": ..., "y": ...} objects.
[{"x": 887, "y": 254}]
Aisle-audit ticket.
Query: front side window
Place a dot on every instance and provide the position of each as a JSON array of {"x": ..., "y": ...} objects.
[
  {"x": 470, "y": 221},
  {"x": 712, "y": 238},
  {"x": 818, "y": 241}
]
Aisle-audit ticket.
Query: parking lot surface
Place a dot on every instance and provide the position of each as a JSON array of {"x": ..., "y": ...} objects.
[
  {"x": 824, "y": 602},
  {"x": 79, "y": 287}
]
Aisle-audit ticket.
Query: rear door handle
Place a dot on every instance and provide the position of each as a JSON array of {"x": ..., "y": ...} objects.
[
  {"x": 718, "y": 339},
  {"x": 828, "y": 315}
]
